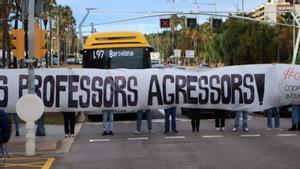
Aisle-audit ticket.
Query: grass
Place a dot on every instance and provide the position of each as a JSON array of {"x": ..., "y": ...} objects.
[{"x": 54, "y": 118}]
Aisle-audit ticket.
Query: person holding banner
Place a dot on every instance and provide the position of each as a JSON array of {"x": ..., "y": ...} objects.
[
  {"x": 40, "y": 130},
  {"x": 170, "y": 112},
  {"x": 220, "y": 116},
  {"x": 194, "y": 115},
  {"x": 69, "y": 123},
  {"x": 237, "y": 119},
  {"x": 139, "y": 121},
  {"x": 108, "y": 118},
  {"x": 276, "y": 111},
  {"x": 295, "y": 118}
]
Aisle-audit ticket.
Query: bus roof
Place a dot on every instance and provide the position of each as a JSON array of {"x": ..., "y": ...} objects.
[{"x": 115, "y": 40}]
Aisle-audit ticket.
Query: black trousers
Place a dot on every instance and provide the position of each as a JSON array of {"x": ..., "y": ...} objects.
[
  {"x": 195, "y": 118},
  {"x": 69, "y": 122},
  {"x": 220, "y": 116}
]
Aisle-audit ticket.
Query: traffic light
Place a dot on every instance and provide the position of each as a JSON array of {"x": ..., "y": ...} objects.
[
  {"x": 191, "y": 22},
  {"x": 165, "y": 23},
  {"x": 18, "y": 40},
  {"x": 216, "y": 23},
  {"x": 39, "y": 42}
]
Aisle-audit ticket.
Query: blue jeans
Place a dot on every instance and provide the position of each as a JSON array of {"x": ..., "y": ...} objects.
[
  {"x": 108, "y": 118},
  {"x": 17, "y": 121},
  {"x": 276, "y": 117},
  {"x": 40, "y": 130},
  {"x": 237, "y": 119},
  {"x": 170, "y": 112},
  {"x": 296, "y": 114},
  {"x": 139, "y": 119}
]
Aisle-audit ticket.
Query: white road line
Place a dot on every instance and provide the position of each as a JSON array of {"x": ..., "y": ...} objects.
[
  {"x": 175, "y": 137},
  {"x": 99, "y": 140},
  {"x": 212, "y": 136},
  {"x": 250, "y": 135},
  {"x": 138, "y": 138},
  {"x": 287, "y": 135}
]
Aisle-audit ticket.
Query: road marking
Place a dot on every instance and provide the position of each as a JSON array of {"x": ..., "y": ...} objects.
[
  {"x": 138, "y": 138},
  {"x": 99, "y": 140},
  {"x": 212, "y": 136},
  {"x": 250, "y": 135},
  {"x": 287, "y": 135},
  {"x": 48, "y": 163},
  {"x": 175, "y": 137}
]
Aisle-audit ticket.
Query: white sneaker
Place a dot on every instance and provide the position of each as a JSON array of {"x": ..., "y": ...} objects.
[
  {"x": 67, "y": 135},
  {"x": 72, "y": 135},
  {"x": 223, "y": 129},
  {"x": 278, "y": 129},
  {"x": 246, "y": 129},
  {"x": 137, "y": 132},
  {"x": 234, "y": 129},
  {"x": 151, "y": 132},
  {"x": 217, "y": 128},
  {"x": 269, "y": 129}
]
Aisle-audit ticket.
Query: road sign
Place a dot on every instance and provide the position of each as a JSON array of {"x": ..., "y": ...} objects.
[
  {"x": 165, "y": 23},
  {"x": 177, "y": 53},
  {"x": 190, "y": 54}
]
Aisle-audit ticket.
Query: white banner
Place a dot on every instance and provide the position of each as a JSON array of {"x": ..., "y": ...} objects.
[{"x": 248, "y": 87}]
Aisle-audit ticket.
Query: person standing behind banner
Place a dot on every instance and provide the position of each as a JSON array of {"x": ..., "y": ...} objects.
[
  {"x": 276, "y": 111},
  {"x": 139, "y": 121},
  {"x": 220, "y": 116},
  {"x": 295, "y": 118},
  {"x": 17, "y": 123},
  {"x": 40, "y": 130},
  {"x": 170, "y": 112},
  {"x": 5, "y": 127},
  {"x": 69, "y": 123},
  {"x": 108, "y": 118},
  {"x": 194, "y": 115},
  {"x": 237, "y": 119}
]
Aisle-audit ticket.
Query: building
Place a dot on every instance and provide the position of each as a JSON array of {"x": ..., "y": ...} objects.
[{"x": 273, "y": 8}]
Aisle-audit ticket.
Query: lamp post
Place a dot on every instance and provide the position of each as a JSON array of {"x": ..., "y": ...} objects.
[{"x": 81, "y": 23}]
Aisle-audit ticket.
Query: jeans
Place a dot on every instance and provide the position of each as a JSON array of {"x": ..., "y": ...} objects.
[
  {"x": 237, "y": 118},
  {"x": 220, "y": 116},
  {"x": 40, "y": 130},
  {"x": 108, "y": 118},
  {"x": 276, "y": 117},
  {"x": 170, "y": 112},
  {"x": 296, "y": 114},
  {"x": 69, "y": 122},
  {"x": 139, "y": 119},
  {"x": 17, "y": 121}
]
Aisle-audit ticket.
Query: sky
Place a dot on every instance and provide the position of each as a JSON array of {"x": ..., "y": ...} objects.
[{"x": 112, "y": 10}]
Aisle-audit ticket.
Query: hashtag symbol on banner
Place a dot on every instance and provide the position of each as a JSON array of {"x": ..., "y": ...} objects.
[{"x": 289, "y": 73}]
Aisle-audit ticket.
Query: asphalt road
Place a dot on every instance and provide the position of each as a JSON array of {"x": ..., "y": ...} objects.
[{"x": 208, "y": 149}]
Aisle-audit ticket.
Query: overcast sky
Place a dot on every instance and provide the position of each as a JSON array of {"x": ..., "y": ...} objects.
[{"x": 147, "y": 25}]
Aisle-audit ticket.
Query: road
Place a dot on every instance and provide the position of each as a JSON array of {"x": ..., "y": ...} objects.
[{"x": 207, "y": 149}]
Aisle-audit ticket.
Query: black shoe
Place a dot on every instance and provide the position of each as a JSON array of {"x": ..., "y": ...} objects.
[
  {"x": 298, "y": 127},
  {"x": 104, "y": 133},
  {"x": 17, "y": 133},
  {"x": 166, "y": 131},
  {"x": 175, "y": 131},
  {"x": 197, "y": 130},
  {"x": 110, "y": 133},
  {"x": 293, "y": 128}
]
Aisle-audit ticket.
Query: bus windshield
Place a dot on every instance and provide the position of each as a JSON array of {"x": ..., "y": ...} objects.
[{"x": 116, "y": 50}]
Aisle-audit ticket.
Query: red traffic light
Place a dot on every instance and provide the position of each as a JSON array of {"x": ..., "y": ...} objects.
[{"x": 165, "y": 23}]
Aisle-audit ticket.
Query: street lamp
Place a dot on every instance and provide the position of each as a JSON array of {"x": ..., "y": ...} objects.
[{"x": 80, "y": 24}]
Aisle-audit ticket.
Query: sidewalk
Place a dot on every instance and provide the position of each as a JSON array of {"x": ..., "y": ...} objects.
[{"x": 53, "y": 142}]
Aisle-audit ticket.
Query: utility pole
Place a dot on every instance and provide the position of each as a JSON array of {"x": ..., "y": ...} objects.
[{"x": 58, "y": 40}]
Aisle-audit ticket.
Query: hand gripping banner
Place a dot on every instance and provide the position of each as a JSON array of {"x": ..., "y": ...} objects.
[{"x": 247, "y": 87}]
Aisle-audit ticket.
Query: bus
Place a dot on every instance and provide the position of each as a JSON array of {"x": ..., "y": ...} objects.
[{"x": 112, "y": 50}]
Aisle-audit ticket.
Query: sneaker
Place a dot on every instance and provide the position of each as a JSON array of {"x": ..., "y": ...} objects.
[
  {"x": 278, "y": 129},
  {"x": 217, "y": 128},
  {"x": 137, "y": 132},
  {"x": 72, "y": 135},
  {"x": 110, "y": 133},
  {"x": 223, "y": 129},
  {"x": 151, "y": 132},
  {"x": 269, "y": 129},
  {"x": 235, "y": 129},
  {"x": 246, "y": 129},
  {"x": 166, "y": 131},
  {"x": 104, "y": 133},
  {"x": 67, "y": 135}
]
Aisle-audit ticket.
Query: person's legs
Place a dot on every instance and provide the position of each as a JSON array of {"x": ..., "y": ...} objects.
[
  {"x": 217, "y": 119},
  {"x": 139, "y": 120},
  {"x": 223, "y": 117},
  {"x": 277, "y": 117},
  {"x": 66, "y": 123},
  {"x": 237, "y": 119},
  {"x": 167, "y": 120},
  {"x": 104, "y": 122},
  {"x": 173, "y": 119},
  {"x": 110, "y": 121},
  {"x": 17, "y": 123},
  {"x": 245, "y": 120},
  {"x": 269, "y": 118},
  {"x": 72, "y": 122},
  {"x": 294, "y": 118},
  {"x": 149, "y": 119},
  {"x": 40, "y": 130},
  {"x": 197, "y": 121}
]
